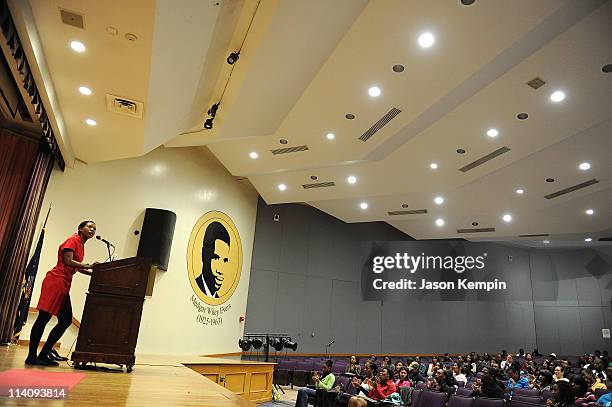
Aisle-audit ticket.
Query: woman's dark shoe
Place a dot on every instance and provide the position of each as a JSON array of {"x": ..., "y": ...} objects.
[
  {"x": 53, "y": 355},
  {"x": 47, "y": 359},
  {"x": 37, "y": 361}
]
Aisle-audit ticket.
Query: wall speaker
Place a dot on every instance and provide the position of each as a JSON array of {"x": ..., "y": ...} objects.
[{"x": 156, "y": 236}]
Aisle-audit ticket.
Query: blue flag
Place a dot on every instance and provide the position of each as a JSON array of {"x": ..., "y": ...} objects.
[{"x": 28, "y": 285}]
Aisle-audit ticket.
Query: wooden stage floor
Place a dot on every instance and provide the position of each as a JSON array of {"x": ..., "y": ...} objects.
[{"x": 155, "y": 381}]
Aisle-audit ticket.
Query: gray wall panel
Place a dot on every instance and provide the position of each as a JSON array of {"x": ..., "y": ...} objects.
[
  {"x": 262, "y": 301},
  {"x": 345, "y": 315},
  {"x": 306, "y": 279},
  {"x": 288, "y": 318}
]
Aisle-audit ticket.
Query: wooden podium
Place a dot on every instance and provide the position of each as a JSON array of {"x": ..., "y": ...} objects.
[{"x": 113, "y": 307}]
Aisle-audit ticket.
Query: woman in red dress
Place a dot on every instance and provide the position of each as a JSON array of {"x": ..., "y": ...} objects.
[{"x": 55, "y": 294}]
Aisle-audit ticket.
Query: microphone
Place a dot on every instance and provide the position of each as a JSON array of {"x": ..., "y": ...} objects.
[
  {"x": 331, "y": 343},
  {"x": 104, "y": 240}
]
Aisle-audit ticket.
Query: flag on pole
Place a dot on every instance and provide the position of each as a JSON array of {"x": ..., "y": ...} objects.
[{"x": 28, "y": 285}]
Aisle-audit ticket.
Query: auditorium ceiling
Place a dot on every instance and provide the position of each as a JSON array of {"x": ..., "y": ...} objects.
[{"x": 495, "y": 117}]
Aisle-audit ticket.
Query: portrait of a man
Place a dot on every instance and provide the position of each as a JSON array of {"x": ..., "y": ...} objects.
[{"x": 215, "y": 258}]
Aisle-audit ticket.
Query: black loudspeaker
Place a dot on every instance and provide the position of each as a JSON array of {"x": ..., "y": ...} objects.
[{"x": 156, "y": 236}]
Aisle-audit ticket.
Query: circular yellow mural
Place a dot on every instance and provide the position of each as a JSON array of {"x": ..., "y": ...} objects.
[{"x": 214, "y": 258}]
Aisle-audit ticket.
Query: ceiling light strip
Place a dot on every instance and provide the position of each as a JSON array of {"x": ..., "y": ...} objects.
[
  {"x": 288, "y": 150},
  {"x": 536, "y": 235},
  {"x": 572, "y": 189},
  {"x": 380, "y": 124},
  {"x": 477, "y": 230},
  {"x": 409, "y": 212},
  {"x": 484, "y": 159},
  {"x": 319, "y": 185}
]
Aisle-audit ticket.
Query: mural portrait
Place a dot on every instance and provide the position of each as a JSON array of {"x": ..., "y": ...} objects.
[{"x": 214, "y": 258}]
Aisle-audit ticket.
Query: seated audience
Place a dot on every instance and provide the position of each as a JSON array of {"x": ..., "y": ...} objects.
[
  {"x": 353, "y": 366},
  {"x": 414, "y": 374},
  {"x": 515, "y": 381},
  {"x": 324, "y": 381},
  {"x": 440, "y": 382},
  {"x": 457, "y": 374},
  {"x": 582, "y": 393},
  {"x": 488, "y": 385},
  {"x": 379, "y": 390},
  {"x": 544, "y": 381},
  {"x": 402, "y": 378}
]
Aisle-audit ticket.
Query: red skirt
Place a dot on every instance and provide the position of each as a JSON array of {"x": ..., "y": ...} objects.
[{"x": 53, "y": 294}]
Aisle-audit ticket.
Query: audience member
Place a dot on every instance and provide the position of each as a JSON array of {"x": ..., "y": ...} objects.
[
  {"x": 353, "y": 366},
  {"x": 324, "y": 381}
]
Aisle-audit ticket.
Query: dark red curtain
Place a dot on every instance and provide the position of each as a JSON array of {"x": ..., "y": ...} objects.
[
  {"x": 16, "y": 161},
  {"x": 25, "y": 169}
]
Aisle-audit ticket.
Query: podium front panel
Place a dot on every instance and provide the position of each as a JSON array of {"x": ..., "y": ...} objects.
[{"x": 127, "y": 277}]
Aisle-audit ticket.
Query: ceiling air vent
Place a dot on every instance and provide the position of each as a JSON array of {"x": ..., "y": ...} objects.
[
  {"x": 605, "y": 239},
  {"x": 288, "y": 150},
  {"x": 572, "y": 189},
  {"x": 319, "y": 185},
  {"x": 380, "y": 124},
  {"x": 72, "y": 18},
  {"x": 536, "y": 83},
  {"x": 536, "y": 235},
  {"x": 124, "y": 106},
  {"x": 410, "y": 212},
  {"x": 476, "y": 230},
  {"x": 484, "y": 159}
]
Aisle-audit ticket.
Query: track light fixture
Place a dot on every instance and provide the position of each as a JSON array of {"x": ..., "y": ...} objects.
[
  {"x": 278, "y": 342},
  {"x": 212, "y": 112},
  {"x": 245, "y": 344},
  {"x": 233, "y": 57}
]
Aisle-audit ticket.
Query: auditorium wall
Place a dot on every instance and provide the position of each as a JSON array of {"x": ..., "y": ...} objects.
[
  {"x": 187, "y": 181},
  {"x": 306, "y": 277}
]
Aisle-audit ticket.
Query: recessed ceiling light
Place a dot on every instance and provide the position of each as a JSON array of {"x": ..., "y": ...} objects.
[
  {"x": 474, "y": 223},
  {"x": 283, "y": 141},
  {"x": 507, "y": 217},
  {"x": 607, "y": 68},
  {"x": 330, "y": 136},
  {"x": 584, "y": 166},
  {"x": 460, "y": 151},
  {"x": 546, "y": 241},
  {"x": 522, "y": 116},
  {"x": 492, "y": 133},
  {"x": 351, "y": 180},
  {"x": 253, "y": 155},
  {"x": 363, "y": 205},
  {"x": 282, "y": 187},
  {"x": 439, "y": 200},
  {"x": 398, "y": 68},
  {"x": 588, "y": 239},
  {"x": 91, "y": 122},
  {"x": 314, "y": 177},
  {"x": 85, "y": 90},
  {"x": 349, "y": 116},
  {"x": 374, "y": 91},
  {"x": 557, "y": 96},
  {"x": 77, "y": 46},
  {"x": 520, "y": 191},
  {"x": 467, "y": 2},
  {"x": 433, "y": 166},
  {"x": 404, "y": 206},
  {"x": 550, "y": 180},
  {"x": 589, "y": 211},
  {"x": 426, "y": 40},
  {"x": 440, "y": 222}
]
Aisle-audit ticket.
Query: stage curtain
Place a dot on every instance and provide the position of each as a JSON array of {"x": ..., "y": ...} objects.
[{"x": 25, "y": 169}]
